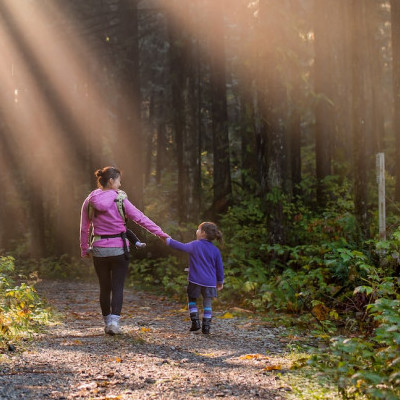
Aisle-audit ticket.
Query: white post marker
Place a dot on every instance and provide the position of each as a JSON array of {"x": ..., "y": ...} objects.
[{"x": 380, "y": 178}]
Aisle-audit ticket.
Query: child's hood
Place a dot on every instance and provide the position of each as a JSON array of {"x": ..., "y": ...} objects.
[{"x": 102, "y": 200}]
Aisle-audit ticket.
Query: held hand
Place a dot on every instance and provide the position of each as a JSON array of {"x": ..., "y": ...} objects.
[
  {"x": 220, "y": 286},
  {"x": 164, "y": 239}
]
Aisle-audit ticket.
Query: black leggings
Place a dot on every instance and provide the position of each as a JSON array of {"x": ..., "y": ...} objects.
[{"x": 111, "y": 272}]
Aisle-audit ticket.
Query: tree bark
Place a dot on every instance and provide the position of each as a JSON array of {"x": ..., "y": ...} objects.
[
  {"x": 273, "y": 109},
  {"x": 177, "y": 71},
  {"x": 183, "y": 59},
  {"x": 130, "y": 138},
  {"x": 395, "y": 18},
  {"x": 360, "y": 117},
  {"x": 221, "y": 157},
  {"x": 374, "y": 20},
  {"x": 324, "y": 29}
]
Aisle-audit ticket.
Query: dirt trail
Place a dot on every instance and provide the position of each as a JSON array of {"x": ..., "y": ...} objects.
[{"x": 155, "y": 357}]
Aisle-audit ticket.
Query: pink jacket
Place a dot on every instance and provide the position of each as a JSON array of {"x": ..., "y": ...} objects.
[{"x": 108, "y": 221}]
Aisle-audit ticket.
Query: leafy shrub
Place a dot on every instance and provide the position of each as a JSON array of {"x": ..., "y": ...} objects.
[
  {"x": 63, "y": 267},
  {"x": 370, "y": 365},
  {"x": 21, "y": 310},
  {"x": 166, "y": 273}
]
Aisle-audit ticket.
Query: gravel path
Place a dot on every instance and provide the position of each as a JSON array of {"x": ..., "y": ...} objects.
[{"x": 156, "y": 357}]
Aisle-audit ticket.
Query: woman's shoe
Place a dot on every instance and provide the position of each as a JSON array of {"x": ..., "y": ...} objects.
[
  {"x": 113, "y": 328},
  {"x": 106, "y": 322}
]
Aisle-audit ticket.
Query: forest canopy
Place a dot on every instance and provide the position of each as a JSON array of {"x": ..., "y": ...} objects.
[{"x": 204, "y": 106}]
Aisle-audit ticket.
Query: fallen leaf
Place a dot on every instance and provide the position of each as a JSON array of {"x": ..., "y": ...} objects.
[
  {"x": 143, "y": 329},
  {"x": 227, "y": 315},
  {"x": 272, "y": 367},
  {"x": 254, "y": 356},
  {"x": 321, "y": 311}
]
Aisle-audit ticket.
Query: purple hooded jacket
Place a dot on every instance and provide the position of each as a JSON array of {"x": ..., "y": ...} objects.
[
  {"x": 108, "y": 221},
  {"x": 205, "y": 262}
]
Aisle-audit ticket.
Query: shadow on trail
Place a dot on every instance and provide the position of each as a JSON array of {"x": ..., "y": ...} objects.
[{"x": 155, "y": 354}]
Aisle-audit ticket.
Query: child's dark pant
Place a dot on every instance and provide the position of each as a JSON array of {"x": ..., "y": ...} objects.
[{"x": 111, "y": 272}]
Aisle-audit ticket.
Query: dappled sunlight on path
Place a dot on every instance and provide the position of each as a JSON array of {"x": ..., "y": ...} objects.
[{"x": 155, "y": 357}]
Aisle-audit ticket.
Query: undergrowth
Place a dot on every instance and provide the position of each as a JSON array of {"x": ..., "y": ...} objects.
[{"x": 22, "y": 311}]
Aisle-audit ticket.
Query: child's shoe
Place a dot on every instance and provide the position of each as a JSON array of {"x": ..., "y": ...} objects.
[
  {"x": 113, "y": 327},
  {"x": 195, "y": 322},
  {"x": 205, "y": 328},
  {"x": 140, "y": 245}
]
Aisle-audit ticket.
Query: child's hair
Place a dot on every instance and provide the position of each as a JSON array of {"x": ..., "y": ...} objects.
[
  {"x": 105, "y": 174},
  {"x": 211, "y": 230}
]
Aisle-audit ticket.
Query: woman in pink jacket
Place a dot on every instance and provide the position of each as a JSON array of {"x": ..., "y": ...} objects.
[{"x": 109, "y": 248}]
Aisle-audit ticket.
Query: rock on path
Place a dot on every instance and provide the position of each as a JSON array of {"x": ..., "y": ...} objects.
[{"x": 156, "y": 357}]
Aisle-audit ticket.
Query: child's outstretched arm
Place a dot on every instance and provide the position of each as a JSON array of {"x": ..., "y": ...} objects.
[{"x": 186, "y": 247}]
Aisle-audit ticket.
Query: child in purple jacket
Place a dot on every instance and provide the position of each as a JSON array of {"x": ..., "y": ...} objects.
[{"x": 206, "y": 272}]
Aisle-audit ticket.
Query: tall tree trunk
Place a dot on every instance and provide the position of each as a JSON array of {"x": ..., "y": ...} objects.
[
  {"x": 151, "y": 135},
  {"x": 295, "y": 100},
  {"x": 12, "y": 210},
  {"x": 221, "y": 175},
  {"x": 273, "y": 104},
  {"x": 178, "y": 45},
  {"x": 130, "y": 143},
  {"x": 192, "y": 138},
  {"x": 295, "y": 140},
  {"x": 324, "y": 29},
  {"x": 377, "y": 105},
  {"x": 395, "y": 18},
  {"x": 161, "y": 148},
  {"x": 248, "y": 134},
  {"x": 183, "y": 60},
  {"x": 342, "y": 145},
  {"x": 360, "y": 117}
]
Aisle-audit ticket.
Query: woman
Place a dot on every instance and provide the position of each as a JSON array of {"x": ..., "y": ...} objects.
[{"x": 109, "y": 244}]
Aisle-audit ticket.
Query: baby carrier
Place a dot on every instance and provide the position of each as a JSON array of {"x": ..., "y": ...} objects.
[{"x": 127, "y": 234}]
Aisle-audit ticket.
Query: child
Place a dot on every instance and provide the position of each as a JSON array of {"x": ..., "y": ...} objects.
[{"x": 206, "y": 272}]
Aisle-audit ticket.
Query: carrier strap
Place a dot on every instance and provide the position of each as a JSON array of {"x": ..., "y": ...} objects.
[{"x": 122, "y": 235}]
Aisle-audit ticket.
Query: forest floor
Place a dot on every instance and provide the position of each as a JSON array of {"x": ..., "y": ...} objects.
[{"x": 155, "y": 357}]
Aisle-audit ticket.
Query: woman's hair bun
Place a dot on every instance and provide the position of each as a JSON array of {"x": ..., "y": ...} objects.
[{"x": 105, "y": 174}]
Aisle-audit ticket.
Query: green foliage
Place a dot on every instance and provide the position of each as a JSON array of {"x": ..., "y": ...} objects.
[
  {"x": 244, "y": 229},
  {"x": 167, "y": 273},
  {"x": 320, "y": 259},
  {"x": 370, "y": 365},
  {"x": 63, "y": 267},
  {"x": 21, "y": 310}
]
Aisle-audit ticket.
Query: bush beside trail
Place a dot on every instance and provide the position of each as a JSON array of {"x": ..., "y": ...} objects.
[{"x": 22, "y": 311}]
